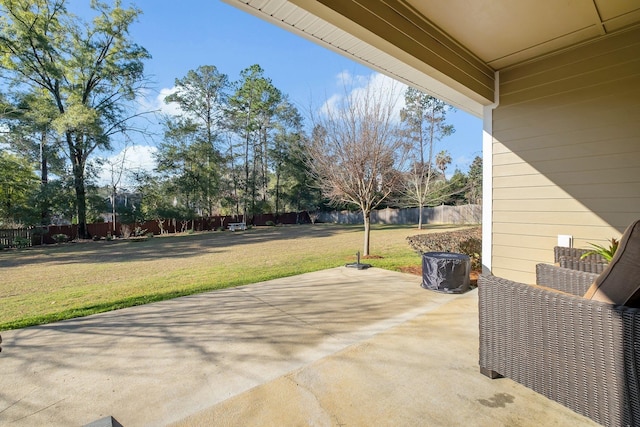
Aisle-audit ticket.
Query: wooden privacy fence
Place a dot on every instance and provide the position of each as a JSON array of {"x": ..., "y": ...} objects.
[
  {"x": 464, "y": 214},
  {"x": 103, "y": 229}
]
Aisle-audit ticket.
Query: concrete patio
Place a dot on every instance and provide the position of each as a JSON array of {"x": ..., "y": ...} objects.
[{"x": 335, "y": 347}]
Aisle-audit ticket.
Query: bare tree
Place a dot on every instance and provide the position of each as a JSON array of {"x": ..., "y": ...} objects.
[
  {"x": 116, "y": 167},
  {"x": 356, "y": 152}
]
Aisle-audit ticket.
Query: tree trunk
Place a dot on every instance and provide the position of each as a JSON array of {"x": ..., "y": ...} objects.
[
  {"x": 234, "y": 178},
  {"x": 420, "y": 217},
  {"x": 208, "y": 191},
  {"x": 77, "y": 157},
  {"x": 277, "y": 194},
  {"x": 245, "y": 195},
  {"x": 254, "y": 183},
  {"x": 44, "y": 183},
  {"x": 113, "y": 208},
  {"x": 265, "y": 166},
  {"x": 81, "y": 201},
  {"x": 366, "y": 214}
]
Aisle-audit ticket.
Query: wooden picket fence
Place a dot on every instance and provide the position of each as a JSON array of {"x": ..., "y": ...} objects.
[{"x": 17, "y": 238}]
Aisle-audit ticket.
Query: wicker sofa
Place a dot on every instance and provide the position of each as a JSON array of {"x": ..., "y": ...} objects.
[{"x": 581, "y": 353}]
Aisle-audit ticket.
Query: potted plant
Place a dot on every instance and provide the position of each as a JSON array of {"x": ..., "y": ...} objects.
[{"x": 604, "y": 252}]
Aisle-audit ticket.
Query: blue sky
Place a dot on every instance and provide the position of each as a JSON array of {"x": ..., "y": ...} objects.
[{"x": 184, "y": 35}]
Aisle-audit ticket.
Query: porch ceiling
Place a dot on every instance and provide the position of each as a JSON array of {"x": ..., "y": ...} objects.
[
  {"x": 451, "y": 48},
  {"x": 504, "y": 33}
]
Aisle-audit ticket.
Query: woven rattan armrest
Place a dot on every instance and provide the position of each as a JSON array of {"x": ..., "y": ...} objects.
[{"x": 564, "y": 279}]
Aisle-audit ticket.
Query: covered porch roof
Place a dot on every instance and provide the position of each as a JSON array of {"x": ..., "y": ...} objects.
[{"x": 450, "y": 49}]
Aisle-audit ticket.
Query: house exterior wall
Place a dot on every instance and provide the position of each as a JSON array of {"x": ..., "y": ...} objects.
[{"x": 565, "y": 152}]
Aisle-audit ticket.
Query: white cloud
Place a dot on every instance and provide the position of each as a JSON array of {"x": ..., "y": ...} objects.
[
  {"x": 140, "y": 157},
  {"x": 136, "y": 158},
  {"x": 157, "y": 104},
  {"x": 331, "y": 104},
  {"x": 344, "y": 78},
  {"x": 170, "y": 108},
  {"x": 379, "y": 85}
]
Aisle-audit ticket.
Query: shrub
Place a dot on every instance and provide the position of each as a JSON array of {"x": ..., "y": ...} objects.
[
  {"x": 468, "y": 242},
  {"x": 20, "y": 242},
  {"x": 473, "y": 248},
  {"x": 270, "y": 224},
  {"x": 60, "y": 238}
]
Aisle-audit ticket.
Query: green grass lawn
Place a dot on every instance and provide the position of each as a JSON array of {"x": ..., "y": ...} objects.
[{"x": 46, "y": 284}]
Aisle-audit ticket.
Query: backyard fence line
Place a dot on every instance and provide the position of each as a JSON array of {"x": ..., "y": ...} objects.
[
  {"x": 463, "y": 214},
  {"x": 168, "y": 226}
]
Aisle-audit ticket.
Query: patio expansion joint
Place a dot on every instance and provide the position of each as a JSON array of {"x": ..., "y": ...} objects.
[
  {"x": 24, "y": 417},
  {"x": 321, "y": 411}
]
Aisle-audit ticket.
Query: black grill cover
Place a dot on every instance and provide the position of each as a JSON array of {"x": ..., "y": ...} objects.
[{"x": 446, "y": 272}]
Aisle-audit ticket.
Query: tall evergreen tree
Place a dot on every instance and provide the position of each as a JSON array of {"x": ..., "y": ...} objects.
[
  {"x": 474, "y": 191},
  {"x": 201, "y": 96},
  {"x": 29, "y": 133},
  {"x": 18, "y": 187},
  {"x": 179, "y": 160},
  {"x": 425, "y": 120},
  {"x": 89, "y": 71},
  {"x": 281, "y": 154},
  {"x": 251, "y": 111},
  {"x": 443, "y": 160}
]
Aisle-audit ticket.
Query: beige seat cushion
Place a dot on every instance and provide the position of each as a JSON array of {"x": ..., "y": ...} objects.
[{"x": 619, "y": 283}]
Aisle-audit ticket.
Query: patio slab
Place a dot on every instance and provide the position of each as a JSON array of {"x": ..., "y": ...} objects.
[
  {"x": 336, "y": 347},
  {"x": 423, "y": 372}
]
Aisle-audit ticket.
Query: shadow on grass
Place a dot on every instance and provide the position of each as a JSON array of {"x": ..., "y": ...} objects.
[
  {"x": 183, "y": 245},
  {"x": 171, "y": 247},
  {"x": 166, "y": 246}
]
